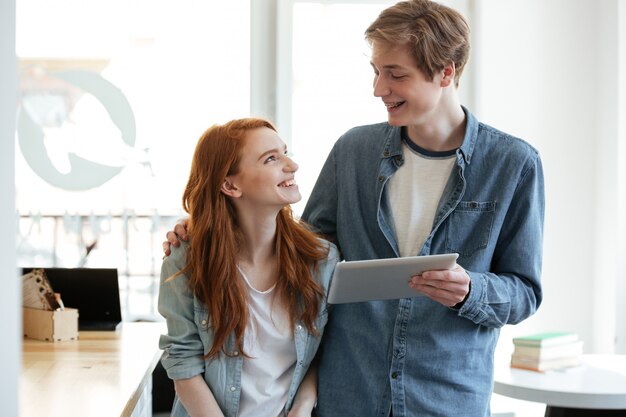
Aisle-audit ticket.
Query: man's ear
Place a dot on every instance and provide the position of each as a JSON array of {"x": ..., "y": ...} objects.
[
  {"x": 230, "y": 189},
  {"x": 448, "y": 75}
]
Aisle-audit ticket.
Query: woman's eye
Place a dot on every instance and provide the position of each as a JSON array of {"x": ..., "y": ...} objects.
[{"x": 270, "y": 158}]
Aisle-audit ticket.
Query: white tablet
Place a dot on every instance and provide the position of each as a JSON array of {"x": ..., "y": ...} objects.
[{"x": 382, "y": 279}]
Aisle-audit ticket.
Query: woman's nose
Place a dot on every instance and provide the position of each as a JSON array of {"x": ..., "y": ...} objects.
[{"x": 291, "y": 166}]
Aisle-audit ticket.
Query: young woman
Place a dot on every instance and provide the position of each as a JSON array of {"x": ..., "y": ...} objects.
[{"x": 245, "y": 298}]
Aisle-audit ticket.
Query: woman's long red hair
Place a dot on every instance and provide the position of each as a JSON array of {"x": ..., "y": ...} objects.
[{"x": 216, "y": 241}]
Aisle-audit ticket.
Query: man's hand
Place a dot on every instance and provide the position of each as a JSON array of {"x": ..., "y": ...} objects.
[
  {"x": 449, "y": 287},
  {"x": 179, "y": 232}
]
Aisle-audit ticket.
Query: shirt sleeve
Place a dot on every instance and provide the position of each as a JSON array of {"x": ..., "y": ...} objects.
[
  {"x": 182, "y": 346},
  {"x": 511, "y": 291},
  {"x": 321, "y": 208}
]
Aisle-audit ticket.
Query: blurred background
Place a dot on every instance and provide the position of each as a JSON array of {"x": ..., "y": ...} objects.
[{"x": 111, "y": 97}]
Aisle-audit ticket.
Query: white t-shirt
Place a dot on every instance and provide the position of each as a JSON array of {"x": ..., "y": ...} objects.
[
  {"x": 268, "y": 340},
  {"x": 414, "y": 193}
]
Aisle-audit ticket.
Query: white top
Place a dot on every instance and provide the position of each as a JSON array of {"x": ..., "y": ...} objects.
[
  {"x": 600, "y": 383},
  {"x": 414, "y": 193},
  {"x": 268, "y": 341}
]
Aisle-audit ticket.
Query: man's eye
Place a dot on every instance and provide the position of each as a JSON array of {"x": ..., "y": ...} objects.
[{"x": 397, "y": 77}]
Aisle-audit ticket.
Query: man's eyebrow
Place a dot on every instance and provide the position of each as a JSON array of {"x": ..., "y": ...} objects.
[{"x": 388, "y": 66}]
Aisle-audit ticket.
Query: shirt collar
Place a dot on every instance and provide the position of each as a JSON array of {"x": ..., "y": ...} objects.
[{"x": 393, "y": 142}]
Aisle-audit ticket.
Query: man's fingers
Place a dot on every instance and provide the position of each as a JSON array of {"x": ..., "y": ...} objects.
[
  {"x": 172, "y": 239},
  {"x": 180, "y": 231},
  {"x": 166, "y": 248},
  {"x": 446, "y": 287},
  {"x": 443, "y": 296}
]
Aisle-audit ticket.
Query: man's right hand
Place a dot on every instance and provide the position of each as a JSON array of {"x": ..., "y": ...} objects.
[{"x": 173, "y": 236}]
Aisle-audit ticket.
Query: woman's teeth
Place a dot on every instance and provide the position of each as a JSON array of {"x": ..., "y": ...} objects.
[{"x": 287, "y": 183}]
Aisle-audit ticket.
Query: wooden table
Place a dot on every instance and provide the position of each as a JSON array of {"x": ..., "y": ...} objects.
[
  {"x": 596, "y": 388},
  {"x": 103, "y": 374}
]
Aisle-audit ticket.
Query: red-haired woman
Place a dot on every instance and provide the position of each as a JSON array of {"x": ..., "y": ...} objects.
[{"x": 245, "y": 299}]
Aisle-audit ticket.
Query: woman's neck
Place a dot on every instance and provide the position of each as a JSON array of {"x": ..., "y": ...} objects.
[
  {"x": 257, "y": 257},
  {"x": 259, "y": 235}
]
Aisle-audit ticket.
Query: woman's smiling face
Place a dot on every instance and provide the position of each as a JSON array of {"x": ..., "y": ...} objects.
[{"x": 265, "y": 174}]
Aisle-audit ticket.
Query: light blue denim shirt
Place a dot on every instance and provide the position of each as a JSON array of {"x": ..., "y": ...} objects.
[
  {"x": 189, "y": 337},
  {"x": 416, "y": 355}
]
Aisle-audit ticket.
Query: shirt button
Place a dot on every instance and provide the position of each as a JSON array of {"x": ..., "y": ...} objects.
[
  {"x": 235, "y": 353},
  {"x": 204, "y": 322},
  {"x": 381, "y": 178},
  {"x": 386, "y": 154},
  {"x": 299, "y": 327},
  {"x": 394, "y": 375},
  {"x": 232, "y": 389}
]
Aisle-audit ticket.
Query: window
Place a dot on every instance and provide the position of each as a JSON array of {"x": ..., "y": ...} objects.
[
  {"x": 326, "y": 78},
  {"x": 113, "y": 97}
]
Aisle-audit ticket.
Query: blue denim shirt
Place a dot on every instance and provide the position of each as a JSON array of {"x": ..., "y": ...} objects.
[
  {"x": 189, "y": 337},
  {"x": 416, "y": 355}
]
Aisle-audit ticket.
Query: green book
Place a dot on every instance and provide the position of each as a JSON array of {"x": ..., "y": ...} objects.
[{"x": 546, "y": 339}]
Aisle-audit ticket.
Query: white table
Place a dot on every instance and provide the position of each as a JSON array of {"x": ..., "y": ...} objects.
[{"x": 596, "y": 388}]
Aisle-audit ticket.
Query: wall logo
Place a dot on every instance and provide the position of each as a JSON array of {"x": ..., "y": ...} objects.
[{"x": 48, "y": 100}]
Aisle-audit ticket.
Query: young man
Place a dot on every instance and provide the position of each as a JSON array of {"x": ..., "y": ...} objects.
[{"x": 430, "y": 180}]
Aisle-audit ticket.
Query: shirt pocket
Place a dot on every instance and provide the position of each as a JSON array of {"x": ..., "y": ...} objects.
[{"x": 469, "y": 227}]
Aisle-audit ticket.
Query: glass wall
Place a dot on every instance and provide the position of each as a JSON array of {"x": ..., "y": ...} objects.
[
  {"x": 328, "y": 78},
  {"x": 331, "y": 79},
  {"x": 113, "y": 97}
]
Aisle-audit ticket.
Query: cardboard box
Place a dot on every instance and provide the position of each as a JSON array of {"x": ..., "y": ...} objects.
[{"x": 51, "y": 326}]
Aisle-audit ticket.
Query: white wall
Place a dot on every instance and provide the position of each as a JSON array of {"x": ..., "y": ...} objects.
[
  {"x": 621, "y": 266},
  {"x": 607, "y": 156},
  {"x": 10, "y": 325},
  {"x": 547, "y": 72}
]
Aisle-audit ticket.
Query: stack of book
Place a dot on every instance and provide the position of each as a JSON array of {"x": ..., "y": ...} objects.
[{"x": 546, "y": 351}]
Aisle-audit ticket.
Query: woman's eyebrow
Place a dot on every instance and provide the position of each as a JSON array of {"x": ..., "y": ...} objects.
[{"x": 271, "y": 151}]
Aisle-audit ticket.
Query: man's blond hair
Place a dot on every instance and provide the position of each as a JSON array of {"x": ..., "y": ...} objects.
[{"x": 436, "y": 35}]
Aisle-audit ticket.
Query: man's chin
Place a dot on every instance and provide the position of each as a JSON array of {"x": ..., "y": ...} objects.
[{"x": 395, "y": 122}]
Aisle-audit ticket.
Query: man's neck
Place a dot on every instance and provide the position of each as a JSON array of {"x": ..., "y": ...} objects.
[{"x": 444, "y": 130}]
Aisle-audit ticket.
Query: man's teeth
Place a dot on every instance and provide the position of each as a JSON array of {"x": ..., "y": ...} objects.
[
  {"x": 287, "y": 183},
  {"x": 392, "y": 105}
]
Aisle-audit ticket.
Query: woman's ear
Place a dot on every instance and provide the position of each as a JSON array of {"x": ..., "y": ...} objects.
[{"x": 230, "y": 189}]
